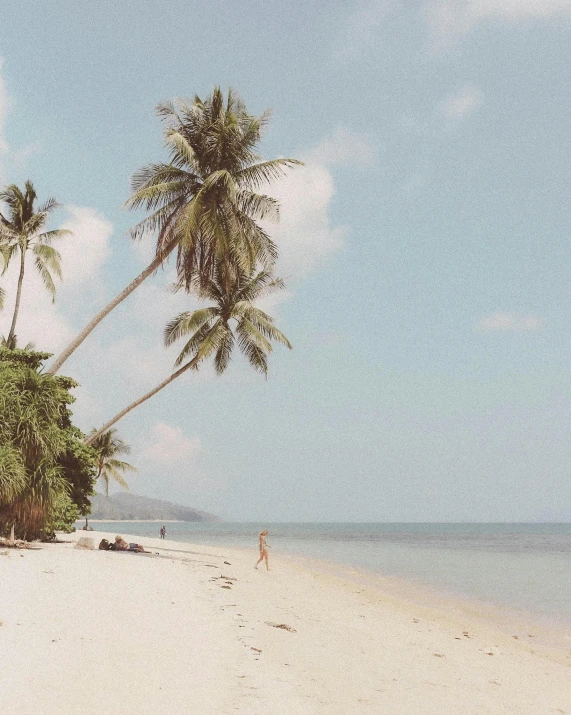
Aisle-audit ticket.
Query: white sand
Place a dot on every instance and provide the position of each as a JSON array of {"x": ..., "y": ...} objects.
[{"x": 104, "y": 633}]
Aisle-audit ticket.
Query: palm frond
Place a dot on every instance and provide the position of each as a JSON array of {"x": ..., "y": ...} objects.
[
  {"x": 49, "y": 256},
  {"x": 222, "y": 355},
  {"x": 49, "y": 236},
  {"x": 118, "y": 464},
  {"x": 265, "y": 325},
  {"x": 46, "y": 277},
  {"x": 186, "y": 323},
  {"x": 265, "y": 172}
]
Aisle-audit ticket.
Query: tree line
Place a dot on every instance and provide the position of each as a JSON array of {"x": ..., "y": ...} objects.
[{"x": 204, "y": 205}]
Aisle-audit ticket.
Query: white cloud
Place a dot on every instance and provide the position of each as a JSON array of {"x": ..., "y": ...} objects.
[
  {"x": 84, "y": 253},
  {"x": 169, "y": 445},
  {"x": 341, "y": 148},
  {"x": 454, "y": 18},
  {"x": 304, "y": 235},
  {"x": 464, "y": 102},
  {"x": 510, "y": 322}
]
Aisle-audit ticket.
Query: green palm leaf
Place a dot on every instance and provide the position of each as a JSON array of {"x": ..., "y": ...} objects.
[
  {"x": 21, "y": 229},
  {"x": 186, "y": 323}
]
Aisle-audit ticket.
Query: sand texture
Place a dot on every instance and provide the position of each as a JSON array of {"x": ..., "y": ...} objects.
[{"x": 181, "y": 631}]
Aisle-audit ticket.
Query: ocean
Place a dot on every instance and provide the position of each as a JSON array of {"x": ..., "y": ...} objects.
[{"x": 516, "y": 566}]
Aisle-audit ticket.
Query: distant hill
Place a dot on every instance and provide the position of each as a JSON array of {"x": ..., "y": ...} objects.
[{"x": 126, "y": 507}]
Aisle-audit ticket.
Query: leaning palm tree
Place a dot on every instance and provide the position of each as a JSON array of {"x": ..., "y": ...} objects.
[
  {"x": 108, "y": 446},
  {"x": 214, "y": 330},
  {"x": 204, "y": 201},
  {"x": 21, "y": 230}
]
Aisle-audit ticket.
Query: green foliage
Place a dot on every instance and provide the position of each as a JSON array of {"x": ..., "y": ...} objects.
[
  {"x": 233, "y": 318},
  {"x": 107, "y": 446},
  {"x": 63, "y": 516},
  {"x": 206, "y": 199},
  {"x": 22, "y": 229},
  {"x": 46, "y": 472}
]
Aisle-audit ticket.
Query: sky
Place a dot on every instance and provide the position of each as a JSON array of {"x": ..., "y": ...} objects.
[{"x": 425, "y": 244}]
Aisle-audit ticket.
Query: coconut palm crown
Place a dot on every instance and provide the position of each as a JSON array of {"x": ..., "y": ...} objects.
[
  {"x": 22, "y": 229},
  {"x": 233, "y": 318},
  {"x": 108, "y": 445},
  {"x": 206, "y": 198},
  {"x": 213, "y": 331}
]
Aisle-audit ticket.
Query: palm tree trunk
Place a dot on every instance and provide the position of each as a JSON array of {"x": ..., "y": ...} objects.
[
  {"x": 144, "y": 398},
  {"x": 76, "y": 342},
  {"x": 18, "y": 297}
]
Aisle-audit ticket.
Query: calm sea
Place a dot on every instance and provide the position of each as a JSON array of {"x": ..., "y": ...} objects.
[{"x": 524, "y": 566}]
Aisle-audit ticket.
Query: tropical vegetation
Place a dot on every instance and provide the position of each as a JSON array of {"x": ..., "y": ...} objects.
[
  {"x": 205, "y": 201},
  {"x": 206, "y": 204},
  {"x": 213, "y": 331},
  {"x": 108, "y": 445},
  {"x": 22, "y": 230}
]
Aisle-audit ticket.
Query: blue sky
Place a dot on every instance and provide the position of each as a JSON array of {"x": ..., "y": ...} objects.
[{"x": 426, "y": 246}]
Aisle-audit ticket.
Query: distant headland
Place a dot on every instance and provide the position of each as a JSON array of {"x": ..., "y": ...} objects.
[{"x": 133, "y": 507}]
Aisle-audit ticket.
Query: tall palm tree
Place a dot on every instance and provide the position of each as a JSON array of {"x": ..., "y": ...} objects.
[
  {"x": 21, "y": 230},
  {"x": 108, "y": 446},
  {"x": 214, "y": 330},
  {"x": 205, "y": 200}
]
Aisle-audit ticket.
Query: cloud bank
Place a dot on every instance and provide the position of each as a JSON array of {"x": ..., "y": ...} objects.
[
  {"x": 509, "y": 323},
  {"x": 454, "y": 18},
  {"x": 466, "y": 101}
]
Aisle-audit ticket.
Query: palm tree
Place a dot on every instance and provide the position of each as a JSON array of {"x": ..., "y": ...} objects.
[
  {"x": 214, "y": 330},
  {"x": 13, "y": 343},
  {"x": 108, "y": 446},
  {"x": 4, "y": 263},
  {"x": 22, "y": 230},
  {"x": 205, "y": 200}
]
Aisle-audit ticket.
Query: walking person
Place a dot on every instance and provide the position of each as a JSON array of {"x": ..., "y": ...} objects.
[
  {"x": 264, "y": 546},
  {"x": 163, "y": 531}
]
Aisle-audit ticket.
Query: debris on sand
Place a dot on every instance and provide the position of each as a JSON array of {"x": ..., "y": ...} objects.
[
  {"x": 16, "y": 544},
  {"x": 283, "y": 626}
]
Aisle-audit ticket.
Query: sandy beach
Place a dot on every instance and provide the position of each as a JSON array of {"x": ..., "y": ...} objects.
[{"x": 193, "y": 629}]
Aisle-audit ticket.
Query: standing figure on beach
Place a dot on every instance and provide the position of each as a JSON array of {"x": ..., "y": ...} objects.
[
  {"x": 264, "y": 546},
  {"x": 163, "y": 531}
]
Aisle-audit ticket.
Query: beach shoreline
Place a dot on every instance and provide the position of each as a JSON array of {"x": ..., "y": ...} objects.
[
  {"x": 134, "y": 521},
  {"x": 196, "y": 629}
]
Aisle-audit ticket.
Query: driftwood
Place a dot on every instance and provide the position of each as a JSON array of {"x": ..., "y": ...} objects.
[
  {"x": 283, "y": 626},
  {"x": 15, "y": 544}
]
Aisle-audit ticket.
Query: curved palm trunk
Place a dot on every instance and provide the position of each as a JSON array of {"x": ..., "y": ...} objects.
[
  {"x": 76, "y": 342},
  {"x": 140, "y": 401},
  {"x": 18, "y": 297}
]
